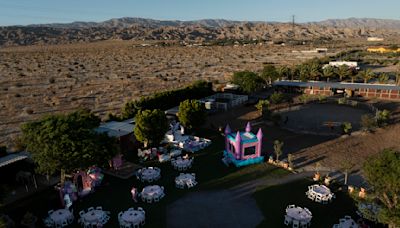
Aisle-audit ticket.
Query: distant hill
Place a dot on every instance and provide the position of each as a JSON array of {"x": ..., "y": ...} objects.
[
  {"x": 370, "y": 23},
  {"x": 193, "y": 31}
]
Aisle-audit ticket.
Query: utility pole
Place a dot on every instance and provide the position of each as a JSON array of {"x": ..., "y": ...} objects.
[{"x": 293, "y": 24}]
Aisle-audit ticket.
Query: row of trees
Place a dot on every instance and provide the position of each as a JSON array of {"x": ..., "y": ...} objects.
[{"x": 311, "y": 70}]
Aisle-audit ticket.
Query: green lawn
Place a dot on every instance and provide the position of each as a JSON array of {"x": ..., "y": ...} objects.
[
  {"x": 273, "y": 201},
  {"x": 114, "y": 194}
]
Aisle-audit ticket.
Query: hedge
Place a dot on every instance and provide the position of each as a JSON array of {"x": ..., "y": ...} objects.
[{"x": 167, "y": 99}]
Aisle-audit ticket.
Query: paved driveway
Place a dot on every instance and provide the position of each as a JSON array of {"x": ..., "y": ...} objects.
[{"x": 219, "y": 209}]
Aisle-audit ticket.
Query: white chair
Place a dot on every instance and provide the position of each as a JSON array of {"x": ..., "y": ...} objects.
[
  {"x": 48, "y": 222},
  {"x": 50, "y": 212},
  {"x": 131, "y": 209},
  {"x": 140, "y": 209},
  {"x": 290, "y": 206},
  {"x": 303, "y": 224},
  {"x": 156, "y": 198},
  {"x": 336, "y": 226},
  {"x": 347, "y": 217},
  {"x": 149, "y": 200},
  {"x": 64, "y": 223},
  {"x": 70, "y": 219},
  {"x": 308, "y": 211},
  {"x": 295, "y": 224},
  {"x": 342, "y": 220},
  {"x": 90, "y": 208},
  {"x": 99, "y": 208},
  {"x": 288, "y": 220},
  {"x": 81, "y": 213}
]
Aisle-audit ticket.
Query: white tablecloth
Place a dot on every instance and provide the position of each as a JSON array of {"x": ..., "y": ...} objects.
[
  {"x": 93, "y": 216},
  {"x": 133, "y": 217},
  {"x": 321, "y": 190},
  {"x": 185, "y": 177},
  {"x": 152, "y": 191},
  {"x": 150, "y": 173},
  {"x": 298, "y": 214},
  {"x": 184, "y": 163},
  {"x": 349, "y": 223},
  {"x": 60, "y": 215}
]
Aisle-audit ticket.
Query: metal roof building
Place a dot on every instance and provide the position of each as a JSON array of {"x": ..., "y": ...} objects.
[
  {"x": 337, "y": 85},
  {"x": 117, "y": 129},
  {"x": 13, "y": 157}
]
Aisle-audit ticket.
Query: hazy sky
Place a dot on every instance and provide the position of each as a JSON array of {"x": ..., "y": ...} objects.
[{"x": 22, "y": 12}]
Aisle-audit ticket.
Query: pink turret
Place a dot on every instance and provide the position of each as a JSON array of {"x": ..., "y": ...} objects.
[
  {"x": 238, "y": 145},
  {"x": 227, "y": 132},
  {"x": 259, "y": 137},
  {"x": 248, "y": 127},
  {"x": 227, "y": 129}
]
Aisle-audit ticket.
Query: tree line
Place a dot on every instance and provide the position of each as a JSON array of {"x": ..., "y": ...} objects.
[{"x": 311, "y": 70}]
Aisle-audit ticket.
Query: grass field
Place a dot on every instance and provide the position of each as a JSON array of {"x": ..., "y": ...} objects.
[{"x": 273, "y": 201}]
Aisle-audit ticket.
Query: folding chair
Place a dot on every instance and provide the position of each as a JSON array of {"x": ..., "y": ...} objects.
[
  {"x": 288, "y": 220},
  {"x": 295, "y": 224}
]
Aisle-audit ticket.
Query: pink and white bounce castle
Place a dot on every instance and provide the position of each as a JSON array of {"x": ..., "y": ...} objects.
[{"x": 243, "y": 148}]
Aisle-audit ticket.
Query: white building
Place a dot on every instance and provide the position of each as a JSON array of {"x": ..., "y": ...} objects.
[
  {"x": 374, "y": 39},
  {"x": 341, "y": 63}
]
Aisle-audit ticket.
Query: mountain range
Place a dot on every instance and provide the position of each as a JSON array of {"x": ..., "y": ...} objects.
[{"x": 194, "y": 31}]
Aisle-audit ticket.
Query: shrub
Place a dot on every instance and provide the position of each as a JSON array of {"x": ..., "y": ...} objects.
[
  {"x": 346, "y": 127},
  {"x": 342, "y": 100},
  {"x": 382, "y": 117},
  {"x": 277, "y": 98},
  {"x": 367, "y": 122}
]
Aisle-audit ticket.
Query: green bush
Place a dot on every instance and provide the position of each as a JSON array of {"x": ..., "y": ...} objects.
[
  {"x": 277, "y": 98},
  {"x": 342, "y": 100},
  {"x": 368, "y": 122},
  {"x": 382, "y": 117},
  {"x": 346, "y": 127}
]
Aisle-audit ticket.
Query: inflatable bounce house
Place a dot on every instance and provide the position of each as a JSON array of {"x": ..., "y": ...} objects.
[
  {"x": 82, "y": 184},
  {"x": 242, "y": 148},
  {"x": 68, "y": 194}
]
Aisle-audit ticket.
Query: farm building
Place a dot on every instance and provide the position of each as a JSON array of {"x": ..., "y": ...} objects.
[{"x": 380, "y": 91}]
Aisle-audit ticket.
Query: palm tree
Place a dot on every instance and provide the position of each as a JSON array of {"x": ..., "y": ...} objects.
[
  {"x": 366, "y": 75},
  {"x": 328, "y": 72},
  {"x": 343, "y": 72},
  {"x": 278, "y": 148},
  {"x": 283, "y": 72},
  {"x": 398, "y": 78},
  {"x": 314, "y": 71},
  {"x": 383, "y": 78}
]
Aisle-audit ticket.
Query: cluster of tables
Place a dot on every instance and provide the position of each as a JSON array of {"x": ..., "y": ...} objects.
[
  {"x": 149, "y": 174},
  {"x": 346, "y": 222},
  {"x": 185, "y": 180},
  {"x": 94, "y": 217},
  {"x": 152, "y": 193},
  {"x": 320, "y": 193},
  {"x": 297, "y": 216},
  {"x": 59, "y": 218},
  {"x": 132, "y": 217},
  {"x": 181, "y": 163}
]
